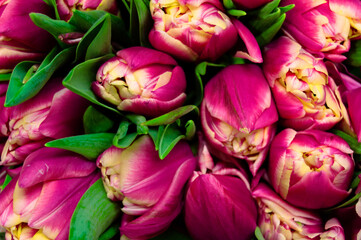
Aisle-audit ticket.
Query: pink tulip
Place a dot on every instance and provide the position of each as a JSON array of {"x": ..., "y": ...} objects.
[
  {"x": 318, "y": 29},
  {"x": 238, "y": 114},
  {"x": 40, "y": 202},
  {"x": 41, "y": 119},
  {"x": 351, "y": 9},
  {"x": 149, "y": 188},
  {"x": 193, "y": 30},
  {"x": 20, "y": 38},
  {"x": 66, "y": 7},
  {"x": 278, "y": 219},
  {"x": 219, "y": 204},
  {"x": 333, "y": 231},
  {"x": 305, "y": 97},
  {"x": 142, "y": 81},
  {"x": 310, "y": 169}
]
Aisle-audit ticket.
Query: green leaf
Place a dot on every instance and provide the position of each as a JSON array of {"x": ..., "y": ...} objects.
[
  {"x": 190, "y": 129},
  {"x": 171, "y": 116},
  {"x": 27, "y": 81},
  {"x": 96, "y": 122},
  {"x": 266, "y": 36},
  {"x": 138, "y": 120},
  {"x": 6, "y": 182},
  {"x": 80, "y": 78},
  {"x": 269, "y": 8},
  {"x": 97, "y": 41},
  {"x": 228, "y": 4},
  {"x": 52, "y": 3},
  {"x": 2, "y": 236},
  {"x": 258, "y": 234},
  {"x": 170, "y": 137},
  {"x": 54, "y": 27},
  {"x": 88, "y": 145},
  {"x": 236, "y": 13},
  {"x": 125, "y": 141},
  {"x": 111, "y": 232},
  {"x": 93, "y": 214},
  {"x": 5, "y": 77},
  {"x": 356, "y": 181},
  {"x": 352, "y": 142},
  {"x": 140, "y": 22}
]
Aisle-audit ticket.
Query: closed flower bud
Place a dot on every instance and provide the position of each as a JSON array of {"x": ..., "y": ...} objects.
[
  {"x": 310, "y": 169},
  {"x": 150, "y": 188},
  {"x": 239, "y": 121},
  {"x": 305, "y": 97},
  {"x": 142, "y": 81}
]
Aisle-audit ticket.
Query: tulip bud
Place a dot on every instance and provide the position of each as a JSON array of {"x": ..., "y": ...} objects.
[
  {"x": 142, "y": 81},
  {"x": 149, "y": 188},
  {"x": 305, "y": 97},
  {"x": 310, "y": 169},
  {"x": 191, "y": 30},
  {"x": 278, "y": 219},
  {"x": 239, "y": 121},
  {"x": 66, "y": 7},
  {"x": 41, "y": 119},
  {"x": 318, "y": 29},
  {"x": 20, "y": 38},
  {"x": 219, "y": 204},
  {"x": 39, "y": 203}
]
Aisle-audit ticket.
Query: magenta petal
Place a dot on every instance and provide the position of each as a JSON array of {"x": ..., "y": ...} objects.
[
  {"x": 57, "y": 202},
  {"x": 219, "y": 207},
  {"x": 353, "y": 100},
  {"x": 252, "y": 51},
  {"x": 138, "y": 57},
  {"x": 318, "y": 187},
  {"x": 25, "y": 200},
  {"x": 50, "y": 164},
  {"x": 6, "y": 195},
  {"x": 57, "y": 124}
]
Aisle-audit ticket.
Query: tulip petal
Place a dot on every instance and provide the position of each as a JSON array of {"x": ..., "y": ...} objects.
[
  {"x": 353, "y": 99},
  {"x": 50, "y": 164}
]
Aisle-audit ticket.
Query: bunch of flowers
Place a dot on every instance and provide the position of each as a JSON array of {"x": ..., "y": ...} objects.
[{"x": 180, "y": 119}]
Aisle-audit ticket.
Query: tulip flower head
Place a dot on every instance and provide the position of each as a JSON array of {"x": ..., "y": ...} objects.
[
  {"x": 305, "y": 97},
  {"x": 20, "y": 38},
  {"x": 41, "y": 119},
  {"x": 149, "y": 188},
  {"x": 319, "y": 29},
  {"x": 142, "y": 81},
  {"x": 310, "y": 169},
  {"x": 219, "y": 204},
  {"x": 39, "y": 203},
  {"x": 278, "y": 219},
  {"x": 191, "y": 30},
  {"x": 239, "y": 121},
  {"x": 66, "y": 7}
]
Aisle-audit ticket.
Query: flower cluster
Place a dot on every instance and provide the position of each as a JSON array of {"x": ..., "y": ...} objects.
[{"x": 180, "y": 119}]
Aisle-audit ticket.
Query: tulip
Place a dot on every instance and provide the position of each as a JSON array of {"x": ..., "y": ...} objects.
[
  {"x": 305, "y": 97},
  {"x": 193, "y": 30},
  {"x": 278, "y": 219},
  {"x": 20, "y": 38},
  {"x": 4, "y": 115},
  {"x": 239, "y": 121},
  {"x": 149, "y": 188},
  {"x": 351, "y": 9},
  {"x": 219, "y": 204},
  {"x": 41, "y": 200},
  {"x": 334, "y": 231},
  {"x": 66, "y": 7},
  {"x": 318, "y": 29},
  {"x": 142, "y": 81},
  {"x": 310, "y": 169},
  {"x": 41, "y": 119}
]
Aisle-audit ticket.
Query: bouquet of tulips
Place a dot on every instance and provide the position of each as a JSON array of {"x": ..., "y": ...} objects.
[{"x": 180, "y": 119}]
